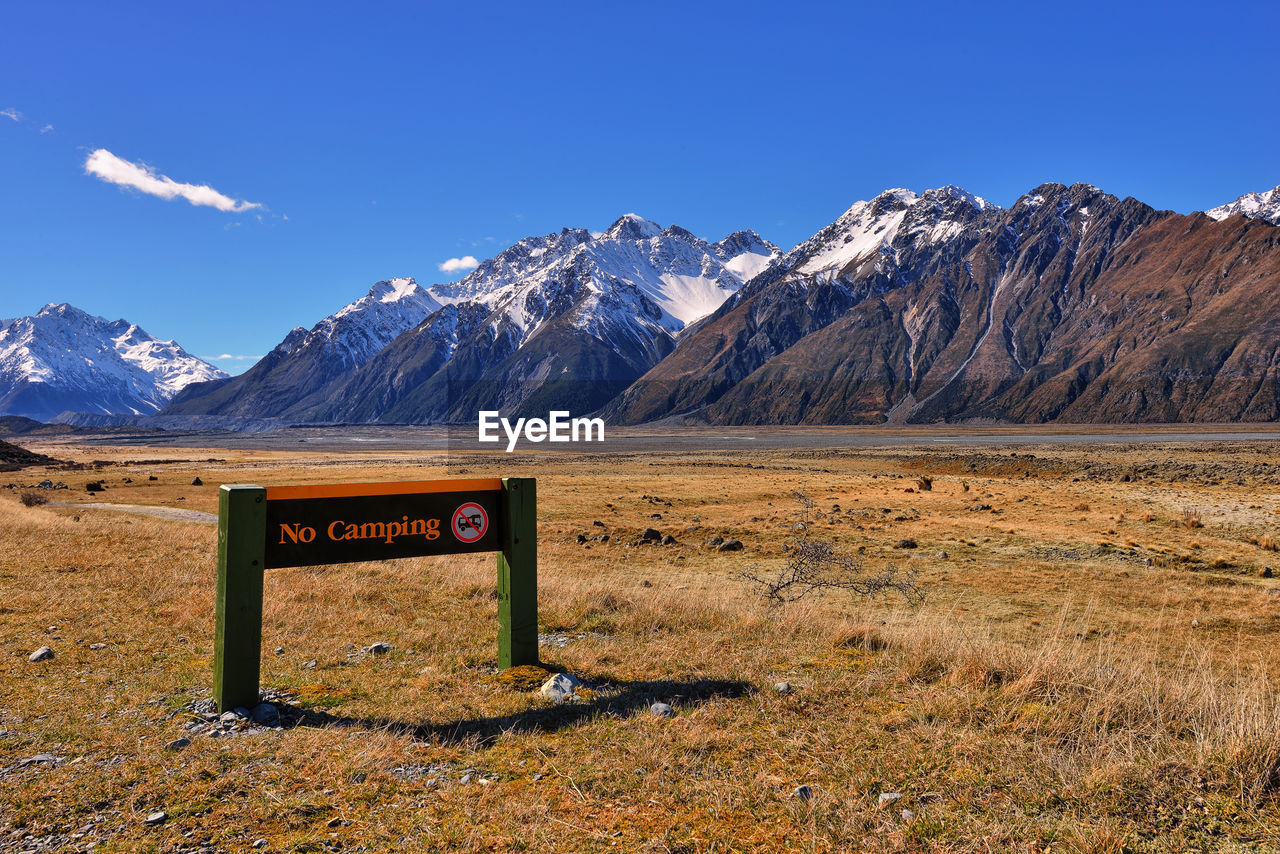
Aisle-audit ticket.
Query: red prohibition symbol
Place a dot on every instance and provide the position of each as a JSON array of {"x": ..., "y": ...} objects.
[{"x": 470, "y": 522}]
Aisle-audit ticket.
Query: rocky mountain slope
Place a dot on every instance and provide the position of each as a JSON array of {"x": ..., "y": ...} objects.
[
  {"x": 1072, "y": 305},
  {"x": 64, "y": 359},
  {"x": 568, "y": 319},
  {"x": 300, "y": 370}
]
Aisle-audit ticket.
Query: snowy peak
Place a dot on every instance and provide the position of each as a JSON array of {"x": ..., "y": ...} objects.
[
  {"x": 521, "y": 260},
  {"x": 633, "y": 227},
  {"x": 404, "y": 293},
  {"x": 884, "y": 228},
  {"x": 64, "y": 358},
  {"x": 1263, "y": 206},
  {"x": 636, "y": 275},
  {"x": 356, "y": 332},
  {"x": 746, "y": 254}
]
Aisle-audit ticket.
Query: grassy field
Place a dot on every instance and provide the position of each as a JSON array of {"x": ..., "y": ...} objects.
[{"x": 1090, "y": 669}]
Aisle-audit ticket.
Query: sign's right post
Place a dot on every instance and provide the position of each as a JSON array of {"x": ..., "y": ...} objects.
[{"x": 518, "y": 573}]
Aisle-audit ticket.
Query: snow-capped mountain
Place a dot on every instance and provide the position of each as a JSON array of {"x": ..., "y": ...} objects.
[
  {"x": 355, "y": 333},
  {"x": 302, "y": 365},
  {"x": 882, "y": 229},
  {"x": 65, "y": 359},
  {"x": 1263, "y": 206},
  {"x": 567, "y": 307},
  {"x": 635, "y": 261}
]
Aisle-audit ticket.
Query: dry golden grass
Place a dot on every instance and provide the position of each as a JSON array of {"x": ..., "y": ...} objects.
[{"x": 1051, "y": 694}]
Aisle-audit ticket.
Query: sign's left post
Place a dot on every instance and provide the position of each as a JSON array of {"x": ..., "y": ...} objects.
[{"x": 237, "y": 640}]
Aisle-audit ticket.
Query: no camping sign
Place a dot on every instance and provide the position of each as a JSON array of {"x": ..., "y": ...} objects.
[{"x": 262, "y": 528}]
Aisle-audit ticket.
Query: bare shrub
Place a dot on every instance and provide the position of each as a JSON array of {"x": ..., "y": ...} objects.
[
  {"x": 1191, "y": 518},
  {"x": 33, "y": 499},
  {"x": 814, "y": 564}
]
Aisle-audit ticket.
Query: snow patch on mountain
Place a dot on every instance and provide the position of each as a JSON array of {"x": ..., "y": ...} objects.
[
  {"x": 1263, "y": 206},
  {"x": 871, "y": 227}
]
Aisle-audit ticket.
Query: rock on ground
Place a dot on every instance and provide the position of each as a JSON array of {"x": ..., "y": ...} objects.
[{"x": 560, "y": 687}]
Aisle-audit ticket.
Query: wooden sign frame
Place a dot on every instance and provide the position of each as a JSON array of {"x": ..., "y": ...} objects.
[{"x": 247, "y": 547}]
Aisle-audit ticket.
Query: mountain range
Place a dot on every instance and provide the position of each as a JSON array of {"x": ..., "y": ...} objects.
[
  {"x": 568, "y": 319},
  {"x": 63, "y": 359},
  {"x": 1071, "y": 305}
]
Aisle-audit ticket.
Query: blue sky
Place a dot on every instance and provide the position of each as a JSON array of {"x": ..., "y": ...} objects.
[{"x": 345, "y": 145}]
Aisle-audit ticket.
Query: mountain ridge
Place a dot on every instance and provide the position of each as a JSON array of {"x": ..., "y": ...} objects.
[{"x": 64, "y": 358}]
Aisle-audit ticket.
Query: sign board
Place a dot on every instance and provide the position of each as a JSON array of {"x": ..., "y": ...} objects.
[
  {"x": 345, "y": 523},
  {"x": 262, "y": 528}
]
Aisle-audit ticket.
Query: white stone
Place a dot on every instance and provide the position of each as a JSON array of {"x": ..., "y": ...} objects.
[{"x": 560, "y": 687}]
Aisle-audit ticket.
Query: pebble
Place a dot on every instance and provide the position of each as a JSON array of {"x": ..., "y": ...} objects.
[
  {"x": 782, "y": 687},
  {"x": 560, "y": 687},
  {"x": 804, "y": 792},
  {"x": 279, "y": 650},
  {"x": 97, "y": 646},
  {"x": 39, "y": 759},
  {"x": 41, "y": 654},
  {"x": 309, "y": 665},
  {"x": 730, "y": 546},
  {"x": 668, "y": 540},
  {"x": 651, "y": 534},
  {"x": 178, "y": 744},
  {"x": 259, "y": 843},
  {"x": 908, "y": 815},
  {"x": 159, "y": 817},
  {"x": 662, "y": 710},
  {"x": 888, "y": 798},
  {"x": 379, "y": 648}
]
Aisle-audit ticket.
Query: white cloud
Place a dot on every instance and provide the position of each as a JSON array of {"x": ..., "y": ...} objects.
[
  {"x": 12, "y": 113},
  {"x": 106, "y": 166},
  {"x": 466, "y": 262},
  {"x": 47, "y": 129},
  {"x": 227, "y": 357}
]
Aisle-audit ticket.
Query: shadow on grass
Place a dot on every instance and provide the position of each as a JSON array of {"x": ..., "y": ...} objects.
[{"x": 624, "y": 700}]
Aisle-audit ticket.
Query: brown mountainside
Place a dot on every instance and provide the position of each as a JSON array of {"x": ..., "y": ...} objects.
[{"x": 1071, "y": 306}]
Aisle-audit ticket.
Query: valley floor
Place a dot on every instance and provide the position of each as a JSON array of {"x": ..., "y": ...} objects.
[{"x": 1089, "y": 670}]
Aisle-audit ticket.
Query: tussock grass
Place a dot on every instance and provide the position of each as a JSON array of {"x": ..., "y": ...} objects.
[{"x": 1047, "y": 695}]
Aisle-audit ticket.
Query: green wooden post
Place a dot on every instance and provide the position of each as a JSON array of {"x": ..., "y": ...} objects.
[
  {"x": 518, "y": 573},
  {"x": 237, "y": 639}
]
